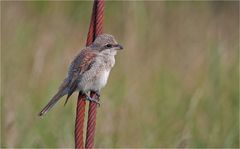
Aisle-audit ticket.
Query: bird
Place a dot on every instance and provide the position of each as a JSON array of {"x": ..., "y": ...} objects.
[{"x": 89, "y": 70}]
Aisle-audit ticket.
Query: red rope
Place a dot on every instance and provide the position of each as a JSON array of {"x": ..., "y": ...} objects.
[
  {"x": 96, "y": 25},
  {"x": 96, "y": 28},
  {"x": 79, "y": 123}
]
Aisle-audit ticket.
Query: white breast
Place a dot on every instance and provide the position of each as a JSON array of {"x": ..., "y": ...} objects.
[
  {"x": 97, "y": 76},
  {"x": 104, "y": 78},
  {"x": 101, "y": 80}
]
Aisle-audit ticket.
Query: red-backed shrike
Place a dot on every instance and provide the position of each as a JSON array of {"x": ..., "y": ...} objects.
[{"x": 89, "y": 70}]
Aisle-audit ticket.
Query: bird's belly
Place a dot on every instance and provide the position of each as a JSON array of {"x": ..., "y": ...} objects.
[
  {"x": 101, "y": 80},
  {"x": 94, "y": 82}
]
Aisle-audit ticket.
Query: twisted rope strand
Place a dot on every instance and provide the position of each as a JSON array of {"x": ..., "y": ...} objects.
[
  {"x": 79, "y": 123},
  {"x": 95, "y": 28},
  {"x": 92, "y": 111}
]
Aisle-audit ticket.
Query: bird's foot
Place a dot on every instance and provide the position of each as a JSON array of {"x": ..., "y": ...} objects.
[
  {"x": 93, "y": 99},
  {"x": 98, "y": 94}
]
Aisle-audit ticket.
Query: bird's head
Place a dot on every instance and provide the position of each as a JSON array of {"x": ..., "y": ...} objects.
[{"x": 106, "y": 44}]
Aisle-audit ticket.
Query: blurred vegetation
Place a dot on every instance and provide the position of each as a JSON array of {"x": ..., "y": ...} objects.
[{"x": 174, "y": 85}]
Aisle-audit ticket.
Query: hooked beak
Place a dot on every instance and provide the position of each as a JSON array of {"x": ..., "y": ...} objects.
[{"x": 119, "y": 46}]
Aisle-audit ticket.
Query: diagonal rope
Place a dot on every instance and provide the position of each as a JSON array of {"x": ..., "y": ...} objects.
[
  {"x": 95, "y": 28},
  {"x": 79, "y": 123},
  {"x": 97, "y": 23}
]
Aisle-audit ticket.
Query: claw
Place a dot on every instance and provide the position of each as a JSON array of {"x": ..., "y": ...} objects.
[
  {"x": 97, "y": 93},
  {"x": 93, "y": 99}
]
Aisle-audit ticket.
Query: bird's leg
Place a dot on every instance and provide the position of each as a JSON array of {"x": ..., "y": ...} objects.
[
  {"x": 97, "y": 93},
  {"x": 92, "y": 99}
]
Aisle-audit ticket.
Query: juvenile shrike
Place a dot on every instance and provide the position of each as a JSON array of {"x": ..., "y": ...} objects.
[{"x": 89, "y": 70}]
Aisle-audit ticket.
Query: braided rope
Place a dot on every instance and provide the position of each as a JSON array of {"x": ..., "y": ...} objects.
[
  {"x": 97, "y": 23},
  {"x": 95, "y": 28},
  {"x": 79, "y": 123}
]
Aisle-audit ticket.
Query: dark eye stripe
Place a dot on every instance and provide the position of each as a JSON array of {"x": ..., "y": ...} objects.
[{"x": 107, "y": 46}]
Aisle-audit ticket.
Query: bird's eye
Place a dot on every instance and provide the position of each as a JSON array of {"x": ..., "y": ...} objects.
[{"x": 108, "y": 45}]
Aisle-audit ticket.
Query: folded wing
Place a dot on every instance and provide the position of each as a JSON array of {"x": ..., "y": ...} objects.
[{"x": 82, "y": 62}]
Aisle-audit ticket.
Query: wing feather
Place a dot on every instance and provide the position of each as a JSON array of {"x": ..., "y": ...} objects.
[{"x": 80, "y": 64}]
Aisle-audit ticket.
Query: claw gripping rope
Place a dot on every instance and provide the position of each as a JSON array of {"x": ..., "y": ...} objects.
[{"x": 96, "y": 28}]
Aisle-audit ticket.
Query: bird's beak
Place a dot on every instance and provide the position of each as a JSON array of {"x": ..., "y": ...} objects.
[{"x": 119, "y": 46}]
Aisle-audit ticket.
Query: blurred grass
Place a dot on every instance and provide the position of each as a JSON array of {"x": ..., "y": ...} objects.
[{"x": 174, "y": 85}]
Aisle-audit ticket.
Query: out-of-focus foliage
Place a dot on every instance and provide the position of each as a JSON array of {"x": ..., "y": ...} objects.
[{"x": 174, "y": 85}]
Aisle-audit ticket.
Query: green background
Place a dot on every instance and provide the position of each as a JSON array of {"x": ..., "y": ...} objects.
[{"x": 175, "y": 84}]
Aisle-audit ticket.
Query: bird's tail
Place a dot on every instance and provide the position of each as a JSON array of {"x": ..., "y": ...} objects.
[{"x": 61, "y": 92}]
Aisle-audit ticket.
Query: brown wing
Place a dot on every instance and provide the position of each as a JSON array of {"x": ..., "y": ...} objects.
[{"x": 80, "y": 64}]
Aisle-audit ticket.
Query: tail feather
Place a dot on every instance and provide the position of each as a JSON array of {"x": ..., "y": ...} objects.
[
  {"x": 61, "y": 92},
  {"x": 51, "y": 103}
]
